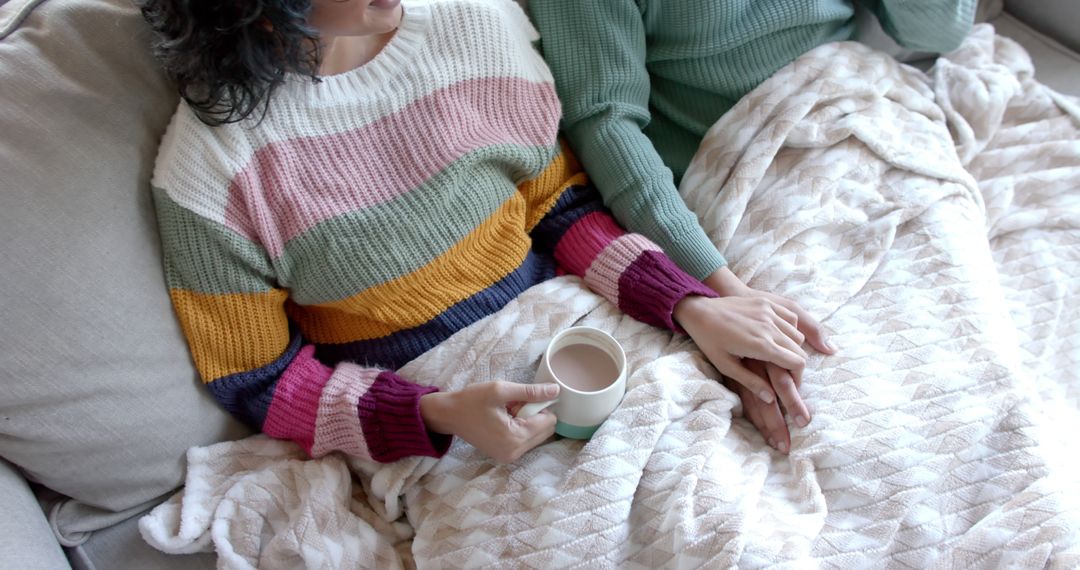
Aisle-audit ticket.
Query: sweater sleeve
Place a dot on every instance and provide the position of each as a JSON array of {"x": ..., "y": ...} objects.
[
  {"x": 596, "y": 51},
  {"x": 259, "y": 367},
  {"x": 626, "y": 269},
  {"x": 925, "y": 25}
]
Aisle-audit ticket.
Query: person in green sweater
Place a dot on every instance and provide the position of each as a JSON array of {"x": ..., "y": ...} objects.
[{"x": 641, "y": 81}]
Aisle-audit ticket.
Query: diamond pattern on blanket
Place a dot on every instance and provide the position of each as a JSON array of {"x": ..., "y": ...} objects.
[{"x": 931, "y": 221}]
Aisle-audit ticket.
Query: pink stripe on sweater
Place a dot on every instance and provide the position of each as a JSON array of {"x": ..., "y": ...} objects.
[
  {"x": 288, "y": 187},
  {"x": 338, "y": 423},
  {"x": 295, "y": 405},
  {"x": 580, "y": 245},
  {"x": 604, "y": 272}
]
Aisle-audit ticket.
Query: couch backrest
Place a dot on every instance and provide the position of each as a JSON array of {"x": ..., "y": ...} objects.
[
  {"x": 1059, "y": 19},
  {"x": 100, "y": 399}
]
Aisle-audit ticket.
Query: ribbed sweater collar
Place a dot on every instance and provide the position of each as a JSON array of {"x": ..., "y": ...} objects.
[{"x": 395, "y": 56}]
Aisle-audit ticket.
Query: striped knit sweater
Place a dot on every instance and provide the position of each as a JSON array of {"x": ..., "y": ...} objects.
[{"x": 372, "y": 215}]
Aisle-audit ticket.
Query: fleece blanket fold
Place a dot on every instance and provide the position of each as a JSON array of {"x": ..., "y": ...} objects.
[{"x": 931, "y": 220}]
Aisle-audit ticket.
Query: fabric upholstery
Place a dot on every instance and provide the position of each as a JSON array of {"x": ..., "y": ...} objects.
[
  {"x": 1059, "y": 19},
  {"x": 1055, "y": 65},
  {"x": 100, "y": 397},
  {"x": 26, "y": 541},
  {"x": 121, "y": 546}
]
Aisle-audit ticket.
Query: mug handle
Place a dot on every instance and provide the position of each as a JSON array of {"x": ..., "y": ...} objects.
[{"x": 531, "y": 409}]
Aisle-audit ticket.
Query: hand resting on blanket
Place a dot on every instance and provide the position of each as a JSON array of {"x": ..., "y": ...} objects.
[{"x": 754, "y": 338}]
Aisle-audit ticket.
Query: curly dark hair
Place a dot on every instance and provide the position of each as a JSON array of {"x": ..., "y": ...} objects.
[{"x": 228, "y": 56}]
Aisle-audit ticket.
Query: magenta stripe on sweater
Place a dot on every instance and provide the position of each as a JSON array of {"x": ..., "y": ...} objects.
[
  {"x": 295, "y": 406},
  {"x": 385, "y": 159},
  {"x": 652, "y": 285},
  {"x": 338, "y": 424},
  {"x": 393, "y": 427},
  {"x": 580, "y": 245},
  {"x": 604, "y": 272}
]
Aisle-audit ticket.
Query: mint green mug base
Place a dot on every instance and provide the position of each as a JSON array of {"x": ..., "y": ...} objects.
[{"x": 575, "y": 432}]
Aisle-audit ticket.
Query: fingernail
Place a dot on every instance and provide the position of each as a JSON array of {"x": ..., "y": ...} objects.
[
  {"x": 766, "y": 396},
  {"x": 772, "y": 443},
  {"x": 802, "y": 421},
  {"x": 782, "y": 447},
  {"x": 551, "y": 390},
  {"x": 832, "y": 345}
]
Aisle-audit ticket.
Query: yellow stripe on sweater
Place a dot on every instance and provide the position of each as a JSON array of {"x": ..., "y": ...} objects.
[
  {"x": 235, "y": 332},
  {"x": 483, "y": 257},
  {"x": 487, "y": 254},
  {"x": 542, "y": 192}
]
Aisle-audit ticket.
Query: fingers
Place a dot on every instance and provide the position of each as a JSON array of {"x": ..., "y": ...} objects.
[
  {"x": 797, "y": 374},
  {"x": 481, "y": 417},
  {"x": 789, "y": 344},
  {"x": 765, "y": 417},
  {"x": 808, "y": 326},
  {"x": 507, "y": 392},
  {"x": 520, "y": 435},
  {"x": 782, "y": 352},
  {"x": 773, "y": 428},
  {"x": 538, "y": 428},
  {"x": 789, "y": 316},
  {"x": 732, "y": 367},
  {"x": 788, "y": 394},
  {"x": 785, "y": 349},
  {"x": 814, "y": 335},
  {"x": 752, "y": 407},
  {"x": 789, "y": 330},
  {"x": 526, "y": 434}
]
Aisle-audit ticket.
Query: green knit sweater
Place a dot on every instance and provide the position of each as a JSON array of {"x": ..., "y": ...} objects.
[{"x": 641, "y": 81}]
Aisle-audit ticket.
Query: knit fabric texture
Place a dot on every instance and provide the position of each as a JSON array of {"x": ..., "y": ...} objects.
[
  {"x": 641, "y": 81},
  {"x": 370, "y": 216}
]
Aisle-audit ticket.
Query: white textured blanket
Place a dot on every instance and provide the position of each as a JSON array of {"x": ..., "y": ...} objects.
[{"x": 931, "y": 221}]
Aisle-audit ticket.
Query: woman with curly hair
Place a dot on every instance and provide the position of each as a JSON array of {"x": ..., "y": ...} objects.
[{"x": 348, "y": 183}]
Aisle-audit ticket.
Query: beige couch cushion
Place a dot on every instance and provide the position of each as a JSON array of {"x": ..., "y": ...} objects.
[
  {"x": 121, "y": 546},
  {"x": 1058, "y": 19},
  {"x": 1055, "y": 65},
  {"x": 26, "y": 541},
  {"x": 100, "y": 400}
]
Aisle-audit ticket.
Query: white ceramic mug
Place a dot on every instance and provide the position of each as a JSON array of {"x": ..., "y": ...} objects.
[{"x": 580, "y": 412}]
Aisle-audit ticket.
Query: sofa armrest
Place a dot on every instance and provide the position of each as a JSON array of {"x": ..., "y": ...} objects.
[
  {"x": 1059, "y": 19},
  {"x": 26, "y": 539}
]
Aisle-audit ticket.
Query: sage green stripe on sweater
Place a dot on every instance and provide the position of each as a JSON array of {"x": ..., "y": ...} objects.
[{"x": 191, "y": 265}]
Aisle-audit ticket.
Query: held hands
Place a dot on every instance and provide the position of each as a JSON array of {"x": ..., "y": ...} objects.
[
  {"x": 754, "y": 339},
  {"x": 481, "y": 414},
  {"x": 767, "y": 418},
  {"x": 724, "y": 282},
  {"x": 728, "y": 329}
]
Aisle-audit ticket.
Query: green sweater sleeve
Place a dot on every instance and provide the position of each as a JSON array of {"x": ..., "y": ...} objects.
[
  {"x": 925, "y": 25},
  {"x": 596, "y": 50}
]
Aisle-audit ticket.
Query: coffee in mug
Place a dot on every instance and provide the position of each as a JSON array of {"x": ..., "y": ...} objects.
[
  {"x": 584, "y": 367},
  {"x": 590, "y": 367}
]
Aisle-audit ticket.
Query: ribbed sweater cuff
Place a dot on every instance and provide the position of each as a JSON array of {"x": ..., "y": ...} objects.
[
  {"x": 391, "y": 421},
  {"x": 638, "y": 188},
  {"x": 651, "y": 287}
]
